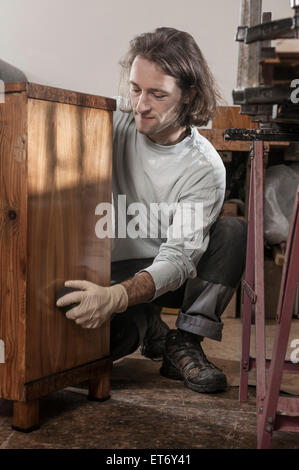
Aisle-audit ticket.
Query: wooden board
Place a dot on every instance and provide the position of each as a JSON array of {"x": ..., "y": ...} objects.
[
  {"x": 13, "y": 241},
  {"x": 47, "y": 93},
  {"x": 229, "y": 117},
  {"x": 60, "y": 95},
  {"x": 69, "y": 173},
  {"x": 15, "y": 87},
  {"x": 215, "y": 136}
]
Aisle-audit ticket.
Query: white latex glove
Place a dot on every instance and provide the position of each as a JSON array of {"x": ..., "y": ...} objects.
[{"x": 96, "y": 303}]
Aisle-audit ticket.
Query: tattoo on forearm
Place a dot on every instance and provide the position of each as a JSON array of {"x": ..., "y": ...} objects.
[{"x": 140, "y": 288}]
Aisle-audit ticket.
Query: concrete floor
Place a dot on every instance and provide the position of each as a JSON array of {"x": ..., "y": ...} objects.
[{"x": 147, "y": 411}]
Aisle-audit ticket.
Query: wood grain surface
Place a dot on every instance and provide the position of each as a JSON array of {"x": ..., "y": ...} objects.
[
  {"x": 60, "y": 95},
  {"x": 48, "y": 93},
  {"x": 98, "y": 371},
  {"x": 69, "y": 173},
  {"x": 13, "y": 241},
  {"x": 227, "y": 117},
  {"x": 26, "y": 415},
  {"x": 13, "y": 87}
]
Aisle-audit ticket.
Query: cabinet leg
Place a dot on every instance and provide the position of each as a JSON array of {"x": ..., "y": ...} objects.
[
  {"x": 99, "y": 388},
  {"x": 25, "y": 416}
]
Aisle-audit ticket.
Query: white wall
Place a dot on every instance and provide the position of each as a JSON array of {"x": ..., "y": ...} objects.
[{"x": 76, "y": 44}]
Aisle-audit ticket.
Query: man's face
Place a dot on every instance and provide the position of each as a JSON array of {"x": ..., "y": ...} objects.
[{"x": 155, "y": 99}]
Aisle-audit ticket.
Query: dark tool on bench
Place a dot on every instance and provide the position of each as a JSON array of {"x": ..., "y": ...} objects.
[
  {"x": 284, "y": 28},
  {"x": 265, "y": 82}
]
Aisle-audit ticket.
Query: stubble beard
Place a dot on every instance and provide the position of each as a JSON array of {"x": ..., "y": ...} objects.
[{"x": 160, "y": 127}]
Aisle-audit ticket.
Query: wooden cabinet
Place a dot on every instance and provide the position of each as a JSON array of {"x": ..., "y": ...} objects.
[{"x": 55, "y": 158}]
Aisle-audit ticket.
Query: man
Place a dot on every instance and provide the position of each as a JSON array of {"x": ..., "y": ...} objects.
[{"x": 160, "y": 157}]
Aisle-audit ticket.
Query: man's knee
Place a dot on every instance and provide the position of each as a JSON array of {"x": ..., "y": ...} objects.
[
  {"x": 229, "y": 231},
  {"x": 224, "y": 260},
  {"x": 232, "y": 237}
]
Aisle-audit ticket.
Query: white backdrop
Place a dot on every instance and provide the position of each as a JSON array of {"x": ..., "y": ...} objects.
[{"x": 76, "y": 44}]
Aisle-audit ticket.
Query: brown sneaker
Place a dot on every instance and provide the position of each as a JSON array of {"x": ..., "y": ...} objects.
[{"x": 185, "y": 360}]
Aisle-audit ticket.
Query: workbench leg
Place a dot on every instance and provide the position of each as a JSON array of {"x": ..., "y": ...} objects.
[
  {"x": 25, "y": 416},
  {"x": 99, "y": 388},
  {"x": 248, "y": 285},
  {"x": 260, "y": 334}
]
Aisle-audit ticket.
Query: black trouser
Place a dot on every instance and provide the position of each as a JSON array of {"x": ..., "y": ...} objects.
[{"x": 201, "y": 300}]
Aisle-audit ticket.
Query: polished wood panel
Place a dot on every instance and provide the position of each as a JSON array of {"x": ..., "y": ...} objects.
[
  {"x": 69, "y": 173},
  {"x": 13, "y": 241}
]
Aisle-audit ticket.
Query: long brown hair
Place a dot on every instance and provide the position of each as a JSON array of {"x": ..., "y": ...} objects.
[{"x": 178, "y": 55}]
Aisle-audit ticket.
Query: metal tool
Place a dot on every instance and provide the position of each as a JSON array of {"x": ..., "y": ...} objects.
[
  {"x": 266, "y": 135},
  {"x": 286, "y": 27},
  {"x": 264, "y": 91}
]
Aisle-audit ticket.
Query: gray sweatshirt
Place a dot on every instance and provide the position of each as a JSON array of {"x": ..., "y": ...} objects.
[{"x": 165, "y": 200}]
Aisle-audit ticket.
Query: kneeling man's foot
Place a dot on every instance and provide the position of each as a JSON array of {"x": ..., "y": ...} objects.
[
  {"x": 154, "y": 341},
  {"x": 184, "y": 359}
]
